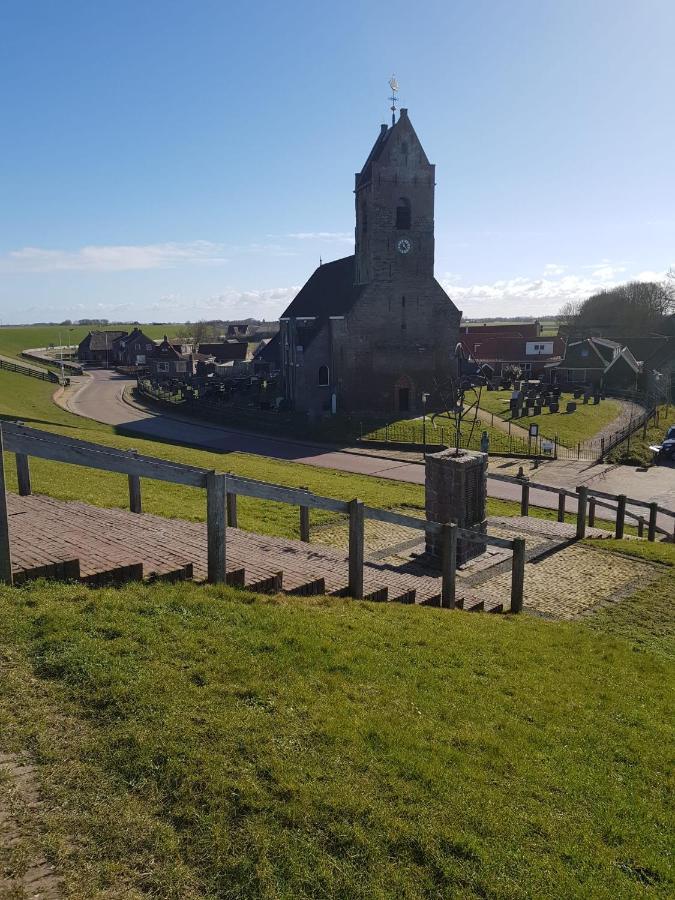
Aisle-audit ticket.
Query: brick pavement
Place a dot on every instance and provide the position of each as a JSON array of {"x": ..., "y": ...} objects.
[
  {"x": 56, "y": 539},
  {"x": 114, "y": 544}
]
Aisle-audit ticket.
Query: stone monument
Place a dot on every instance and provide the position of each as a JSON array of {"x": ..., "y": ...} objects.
[{"x": 456, "y": 491}]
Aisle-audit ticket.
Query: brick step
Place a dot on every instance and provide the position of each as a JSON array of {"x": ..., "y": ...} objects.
[
  {"x": 116, "y": 575},
  {"x": 66, "y": 570}
]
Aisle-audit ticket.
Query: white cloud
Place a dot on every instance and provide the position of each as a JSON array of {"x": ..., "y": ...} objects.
[
  {"x": 537, "y": 296},
  {"x": 230, "y": 304},
  {"x": 341, "y": 237},
  {"x": 113, "y": 258},
  {"x": 554, "y": 269}
]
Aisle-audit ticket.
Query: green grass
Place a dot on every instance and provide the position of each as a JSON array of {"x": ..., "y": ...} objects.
[
  {"x": 636, "y": 452},
  {"x": 200, "y": 742},
  {"x": 570, "y": 428}
]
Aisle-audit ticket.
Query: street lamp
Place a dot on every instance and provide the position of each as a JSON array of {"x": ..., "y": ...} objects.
[{"x": 425, "y": 397}]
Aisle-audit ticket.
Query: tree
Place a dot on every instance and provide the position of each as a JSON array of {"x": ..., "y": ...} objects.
[
  {"x": 638, "y": 307},
  {"x": 198, "y": 332}
]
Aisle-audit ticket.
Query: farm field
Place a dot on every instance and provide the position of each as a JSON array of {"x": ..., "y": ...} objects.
[
  {"x": 201, "y": 742},
  {"x": 570, "y": 428}
]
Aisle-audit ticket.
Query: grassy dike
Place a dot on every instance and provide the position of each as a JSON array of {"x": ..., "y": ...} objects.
[{"x": 205, "y": 743}]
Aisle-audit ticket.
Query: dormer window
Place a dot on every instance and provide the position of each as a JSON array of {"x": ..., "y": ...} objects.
[{"x": 403, "y": 215}]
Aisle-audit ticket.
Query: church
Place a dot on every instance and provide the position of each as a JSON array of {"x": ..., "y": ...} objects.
[{"x": 375, "y": 331}]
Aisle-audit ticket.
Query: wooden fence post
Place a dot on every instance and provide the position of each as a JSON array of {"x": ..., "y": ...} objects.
[
  {"x": 591, "y": 511},
  {"x": 525, "y": 500},
  {"x": 517, "y": 575},
  {"x": 356, "y": 548},
  {"x": 582, "y": 501},
  {"x": 216, "y": 490},
  {"x": 5, "y": 555},
  {"x": 231, "y": 502},
  {"x": 304, "y": 520},
  {"x": 641, "y": 526},
  {"x": 448, "y": 564},
  {"x": 620, "y": 515},
  {"x": 135, "y": 501},
  {"x": 653, "y": 511},
  {"x": 561, "y": 506},
  {"x": 23, "y": 474}
]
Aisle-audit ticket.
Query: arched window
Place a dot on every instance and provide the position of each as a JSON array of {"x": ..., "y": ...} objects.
[
  {"x": 364, "y": 219},
  {"x": 403, "y": 214},
  {"x": 323, "y": 376}
]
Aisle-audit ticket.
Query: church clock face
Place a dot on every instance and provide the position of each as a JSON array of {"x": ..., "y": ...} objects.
[{"x": 404, "y": 246}]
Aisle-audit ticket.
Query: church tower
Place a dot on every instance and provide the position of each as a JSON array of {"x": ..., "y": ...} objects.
[
  {"x": 375, "y": 332},
  {"x": 394, "y": 196}
]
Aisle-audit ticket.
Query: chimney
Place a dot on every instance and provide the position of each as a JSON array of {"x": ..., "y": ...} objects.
[
  {"x": 383, "y": 129},
  {"x": 403, "y": 113}
]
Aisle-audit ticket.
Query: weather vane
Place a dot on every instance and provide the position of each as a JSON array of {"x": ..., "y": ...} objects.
[{"x": 393, "y": 84}]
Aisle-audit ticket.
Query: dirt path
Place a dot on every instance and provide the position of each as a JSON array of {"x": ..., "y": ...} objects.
[
  {"x": 23, "y": 871},
  {"x": 629, "y": 410},
  {"x": 502, "y": 425}
]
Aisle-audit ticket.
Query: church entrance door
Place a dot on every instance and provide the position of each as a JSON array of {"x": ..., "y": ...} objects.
[{"x": 403, "y": 399}]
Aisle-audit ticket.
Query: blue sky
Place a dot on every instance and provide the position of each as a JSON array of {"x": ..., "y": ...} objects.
[{"x": 188, "y": 159}]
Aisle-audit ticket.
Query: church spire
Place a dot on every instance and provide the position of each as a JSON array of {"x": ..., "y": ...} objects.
[{"x": 393, "y": 84}]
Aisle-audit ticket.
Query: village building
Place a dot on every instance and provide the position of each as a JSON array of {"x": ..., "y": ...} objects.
[
  {"x": 597, "y": 362},
  {"x": 97, "y": 348},
  {"x": 501, "y": 351},
  {"x": 224, "y": 351},
  {"x": 132, "y": 349},
  {"x": 375, "y": 331},
  {"x": 166, "y": 363}
]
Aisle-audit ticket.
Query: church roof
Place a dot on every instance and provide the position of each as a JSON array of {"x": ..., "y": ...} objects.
[{"x": 330, "y": 291}]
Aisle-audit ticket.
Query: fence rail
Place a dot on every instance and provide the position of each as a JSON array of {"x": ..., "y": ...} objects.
[
  {"x": 26, "y": 442},
  {"x": 31, "y": 371}
]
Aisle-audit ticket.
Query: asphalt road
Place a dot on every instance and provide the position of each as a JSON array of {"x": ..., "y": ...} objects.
[{"x": 100, "y": 398}]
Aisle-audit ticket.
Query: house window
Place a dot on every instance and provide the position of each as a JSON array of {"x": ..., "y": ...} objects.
[
  {"x": 323, "y": 376},
  {"x": 181, "y": 367},
  {"x": 162, "y": 367},
  {"x": 403, "y": 215}
]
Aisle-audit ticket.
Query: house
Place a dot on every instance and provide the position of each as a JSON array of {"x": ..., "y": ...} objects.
[
  {"x": 132, "y": 349},
  {"x": 165, "y": 363},
  {"x": 224, "y": 351},
  {"x": 375, "y": 331},
  {"x": 510, "y": 329},
  {"x": 598, "y": 362},
  {"x": 502, "y": 349},
  {"x": 98, "y": 347},
  {"x": 267, "y": 357}
]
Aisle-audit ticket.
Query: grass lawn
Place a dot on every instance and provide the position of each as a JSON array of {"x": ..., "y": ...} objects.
[
  {"x": 637, "y": 452},
  {"x": 204, "y": 743},
  {"x": 570, "y": 428}
]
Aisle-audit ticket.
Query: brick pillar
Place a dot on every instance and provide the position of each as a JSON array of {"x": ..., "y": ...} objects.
[{"x": 456, "y": 491}]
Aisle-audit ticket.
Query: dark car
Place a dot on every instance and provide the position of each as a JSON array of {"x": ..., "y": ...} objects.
[{"x": 666, "y": 449}]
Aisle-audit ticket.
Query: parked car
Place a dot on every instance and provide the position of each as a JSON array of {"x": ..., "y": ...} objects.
[{"x": 666, "y": 449}]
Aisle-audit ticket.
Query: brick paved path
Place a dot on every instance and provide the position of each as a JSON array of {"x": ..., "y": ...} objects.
[
  {"x": 74, "y": 540},
  {"x": 47, "y": 536}
]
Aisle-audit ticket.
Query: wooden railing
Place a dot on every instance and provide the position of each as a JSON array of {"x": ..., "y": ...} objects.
[
  {"x": 222, "y": 490},
  {"x": 587, "y": 501},
  {"x": 44, "y": 374}
]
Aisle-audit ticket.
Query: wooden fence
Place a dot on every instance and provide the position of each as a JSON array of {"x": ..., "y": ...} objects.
[
  {"x": 587, "y": 501},
  {"x": 222, "y": 491},
  {"x": 44, "y": 374}
]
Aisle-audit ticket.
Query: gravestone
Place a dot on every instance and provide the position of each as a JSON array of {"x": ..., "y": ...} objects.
[
  {"x": 554, "y": 406},
  {"x": 456, "y": 491},
  {"x": 571, "y": 407}
]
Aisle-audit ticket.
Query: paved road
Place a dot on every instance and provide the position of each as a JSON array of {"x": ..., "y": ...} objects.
[{"x": 100, "y": 398}]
